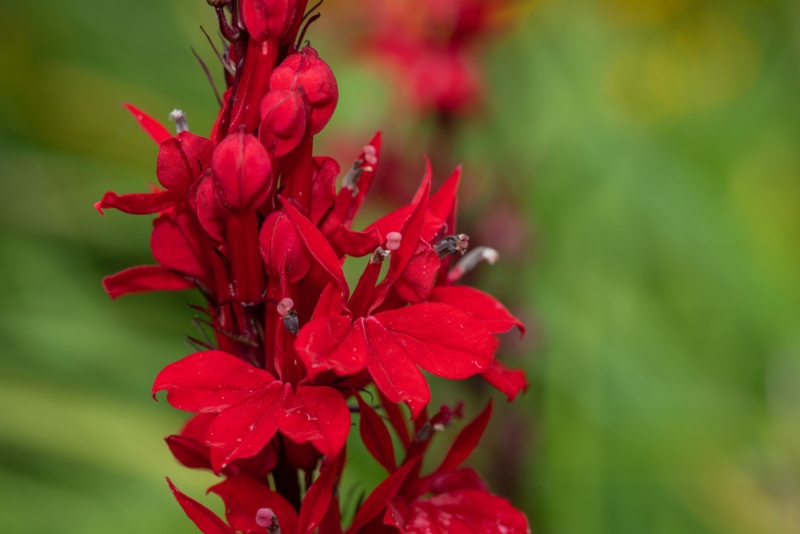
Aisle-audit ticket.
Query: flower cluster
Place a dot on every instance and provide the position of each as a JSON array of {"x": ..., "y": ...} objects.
[
  {"x": 255, "y": 222},
  {"x": 427, "y": 45}
]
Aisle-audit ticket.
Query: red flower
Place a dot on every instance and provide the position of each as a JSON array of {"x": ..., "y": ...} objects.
[{"x": 251, "y": 406}]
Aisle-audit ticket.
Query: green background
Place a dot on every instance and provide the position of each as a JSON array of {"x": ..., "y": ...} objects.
[{"x": 647, "y": 154}]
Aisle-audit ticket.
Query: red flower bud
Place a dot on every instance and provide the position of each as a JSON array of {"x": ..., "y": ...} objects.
[
  {"x": 264, "y": 21},
  {"x": 243, "y": 170},
  {"x": 305, "y": 69},
  {"x": 284, "y": 120}
]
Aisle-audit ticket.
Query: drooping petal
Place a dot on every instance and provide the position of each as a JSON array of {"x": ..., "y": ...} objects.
[
  {"x": 152, "y": 127},
  {"x": 209, "y": 381},
  {"x": 144, "y": 278},
  {"x": 207, "y": 521},
  {"x": 244, "y": 496},
  {"x": 139, "y": 203},
  {"x": 441, "y": 339},
  {"x": 484, "y": 307},
  {"x": 316, "y": 414},
  {"x": 509, "y": 381}
]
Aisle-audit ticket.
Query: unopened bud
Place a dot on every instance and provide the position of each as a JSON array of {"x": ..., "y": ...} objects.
[{"x": 179, "y": 117}]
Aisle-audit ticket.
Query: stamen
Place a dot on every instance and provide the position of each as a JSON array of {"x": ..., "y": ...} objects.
[
  {"x": 370, "y": 155},
  {"x": 379, "y": 255},
  {"x": 393, "y": 240},
  {"x": 366, "y": 163},
  {"x": 266, "y": 518},
  {"x": 471, "y": 260},
  {"x": 290, "y": 320},
  {"x": 452, "y": 244},
  {"x": 179, "y": 117}
]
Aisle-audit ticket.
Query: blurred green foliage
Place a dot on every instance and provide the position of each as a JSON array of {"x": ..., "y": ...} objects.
[{"x": 651, "y": 149}]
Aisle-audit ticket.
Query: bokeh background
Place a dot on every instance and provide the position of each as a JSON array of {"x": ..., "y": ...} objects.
[{"x": 635, "y": 162}]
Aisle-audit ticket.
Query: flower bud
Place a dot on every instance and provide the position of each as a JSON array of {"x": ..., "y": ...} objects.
[
  {"x": 284, "y": 120},
  {"x": 305, "y": 69},
  {"x": 243, "y": 170}
]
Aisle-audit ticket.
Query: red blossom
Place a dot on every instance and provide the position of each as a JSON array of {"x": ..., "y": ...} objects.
[{"x": 254, "y": 221}]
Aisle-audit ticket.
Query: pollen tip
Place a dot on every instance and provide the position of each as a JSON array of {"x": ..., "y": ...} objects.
[
  {"x": 285, "y": 306},
  {"x": 393, "y": 240},
  {"x": 491, "y": 255},
  {"x": 266, "y": 518}
]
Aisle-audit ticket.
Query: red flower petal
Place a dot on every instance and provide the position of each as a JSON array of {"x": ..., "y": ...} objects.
[
  {"x": 466, "y": 441},
  {"x": 316, "y": 414},
  {"x": 380, "y": 497},
  {"x": 416, "y": 282},
  {"x": 174, "y": 244},
  {"x": 441, "y": 339},
  {"x": 392, "y": 368},
  {"x": 332, "y": 343},
  {"x": 242, "y": 430},
  {"x": 318, "y": 497},
  {"x": 318, "y": 246},
  {"x": 243, "y": 498},
  {"x": 508, "y": 381},
  {"x": 375, "y": 435},
  {"x": 243, "y": 170},
  {"x": 465, "y": 512},
  {"x": 139, "y": 203},
  {"x": 153, "y": 128},
  {"x": 144, "y": 278},
  {"x": 207, "y": 521},
  {"x": 484, "y": 307},
  {"x": 209, "y": 381}
]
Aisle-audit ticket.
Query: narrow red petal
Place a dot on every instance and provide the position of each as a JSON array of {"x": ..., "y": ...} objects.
[
  {"x": 207, "y": 521},
  {"x": 375, "y": 435},
  {"x": 380, "y": 497},
  {"x": 318, "y": 246},
  {"x": 153, "y": 128},
  {"x": 317, "y": 498},
  {"x": 466, "y": 441},
  {"x": 442, "y": 204},
  {"x": 139, "y": 203},
  {"x": 209, "y": 381},
  {"x": 144, "y": 278}
]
